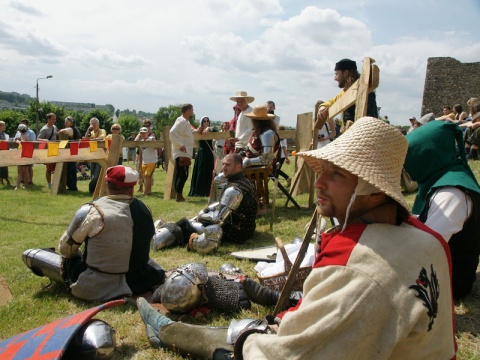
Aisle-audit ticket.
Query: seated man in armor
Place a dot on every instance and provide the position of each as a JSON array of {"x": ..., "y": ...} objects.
[
  {"x": 380, "y": 286},
  {"x": 116, "y": 230},
  {"x": 230, "y": 219}
]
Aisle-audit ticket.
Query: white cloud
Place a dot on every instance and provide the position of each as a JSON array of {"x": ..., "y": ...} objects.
[
  {"x": 151, "y": 54},
  {"x": 106, "y": 58}
]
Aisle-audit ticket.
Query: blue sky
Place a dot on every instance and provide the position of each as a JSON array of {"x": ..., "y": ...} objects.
[{"x": 151, "y": 53}]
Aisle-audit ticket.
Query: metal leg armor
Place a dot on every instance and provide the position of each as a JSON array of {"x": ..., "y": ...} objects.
[
  {"x": 197, "y": 342},
  {"x": 44, "y": 262},
  {"x": 207, "y": 242}
]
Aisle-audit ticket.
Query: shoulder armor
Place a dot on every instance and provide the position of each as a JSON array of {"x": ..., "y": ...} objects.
[
  {"x": 268, "y": 139},
  {"x": 78, "y": 219},
  {"x": 231, "y": 197}
]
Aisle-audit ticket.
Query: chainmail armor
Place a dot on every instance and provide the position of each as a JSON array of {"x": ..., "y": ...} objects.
[{"x": 226, "y": 296}]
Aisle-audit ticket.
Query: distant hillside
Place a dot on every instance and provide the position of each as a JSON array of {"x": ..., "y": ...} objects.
[{"x": 16, "y": 101}]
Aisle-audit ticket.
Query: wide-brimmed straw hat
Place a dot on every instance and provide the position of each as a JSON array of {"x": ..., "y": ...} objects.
[
  {"x": 242, "y": 94},
  {"x": 371, "y": 149},
  {"x": 260, "y": 112}
]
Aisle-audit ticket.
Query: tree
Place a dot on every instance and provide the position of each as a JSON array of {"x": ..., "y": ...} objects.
[
  {"x": 166, "y": 116},
  {"x": 129, "y": 123},
  {"x": 11, "y": 118},
  {"x": 44, "y": 108},
  {"x": 111, "y": 109},
  {"x": 103, "y": 117}
]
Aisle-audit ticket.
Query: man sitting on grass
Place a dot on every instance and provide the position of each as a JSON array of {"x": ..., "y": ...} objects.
[
  {"x": 231, "y": 219},
  {"x": 380, "y": 286},
  {"x": 116, "y": 230}
]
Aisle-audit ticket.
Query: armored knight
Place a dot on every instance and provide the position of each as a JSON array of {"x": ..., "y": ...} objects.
[
  {"x": 116, "y": 230},
  {"x": 263, "y": 145},
  {"x": 190, "y": 286},
  {"x": 231, "y": 218}
]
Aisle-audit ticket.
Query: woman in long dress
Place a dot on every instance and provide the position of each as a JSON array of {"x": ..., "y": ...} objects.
[{"x": 204, "y": 163}]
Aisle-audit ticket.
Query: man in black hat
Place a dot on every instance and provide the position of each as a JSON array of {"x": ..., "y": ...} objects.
[{"x": 346, "y": 74}]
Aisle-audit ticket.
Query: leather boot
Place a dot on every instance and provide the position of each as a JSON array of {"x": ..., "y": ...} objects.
[
  {"x": 180, "y": 198},
  {"x": 260, "y": 294},
  {"x": 153, "y": 320},
  {"x": 263, "y": 295},
  {"x": 194, "y": 341}
]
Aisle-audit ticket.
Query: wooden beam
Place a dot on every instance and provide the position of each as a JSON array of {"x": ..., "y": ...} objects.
[
  {"x": 361, "y": 102},
  {"x": 14, "y": 157},
  {"x": 112, "y": 159}
]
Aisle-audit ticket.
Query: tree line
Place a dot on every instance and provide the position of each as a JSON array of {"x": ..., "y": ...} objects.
[{"x": 130, "y": 121}]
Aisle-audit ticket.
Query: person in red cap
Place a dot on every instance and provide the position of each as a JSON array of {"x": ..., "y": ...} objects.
[{"x": 116, "y": 230}]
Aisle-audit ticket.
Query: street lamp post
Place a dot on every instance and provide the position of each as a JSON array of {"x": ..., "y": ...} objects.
[{"x": 36, "y": 105}]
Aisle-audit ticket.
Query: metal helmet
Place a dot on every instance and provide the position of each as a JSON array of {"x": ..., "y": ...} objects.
[
  {"x": 229, "y": 268},
  {"x": 183, "y": 289},
  {"x": 167, "y": 235},
  {"x": 95, "y": 340},
  {"x": 207, "y": 242}
]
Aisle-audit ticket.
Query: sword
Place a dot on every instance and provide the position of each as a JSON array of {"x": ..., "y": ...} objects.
[{"x": 290, "y": 282}]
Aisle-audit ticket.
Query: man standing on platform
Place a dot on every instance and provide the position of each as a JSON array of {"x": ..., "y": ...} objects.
[
  {"x": 243, "y": 129},
  {"x": 346, "y": 74}
]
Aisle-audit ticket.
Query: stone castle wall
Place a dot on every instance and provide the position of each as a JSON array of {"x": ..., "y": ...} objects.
[{"x": 449, "y": 82}]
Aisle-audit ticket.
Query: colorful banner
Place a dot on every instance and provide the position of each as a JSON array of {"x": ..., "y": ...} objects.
[
  {"x": 84, "y": 143},
  {"x": 53, "y": 149},
  {"x": 93, "y": 146},
  {"x": 27, "y": 149},
  {"x": 42, "y": 145},
  {"x": 74, "y": 148},
  {"x": 3, "y": 145},
  {"x": 63, "y": 144},
  {"x": 107, "y": 143}
]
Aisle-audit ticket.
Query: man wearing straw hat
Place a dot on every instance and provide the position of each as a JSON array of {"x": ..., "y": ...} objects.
[
  {"x": 380, "y": 286},
  {"x": 243, "y": 129}
]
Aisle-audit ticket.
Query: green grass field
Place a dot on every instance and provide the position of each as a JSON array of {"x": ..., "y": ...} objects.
[{"x": 32, "y": 218}]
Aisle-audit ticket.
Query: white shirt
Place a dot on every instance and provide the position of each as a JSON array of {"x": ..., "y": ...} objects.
[
  {"x": 277, "y": 120},
  {"x": 149, "y": 155},
  {"x": 181, "y": 135},
  {"x": 283, "y": 144},
  {"x": 31, "y": 135},
  {"x": 449, "y": 209},
  {"x": 244, "y": 130}
]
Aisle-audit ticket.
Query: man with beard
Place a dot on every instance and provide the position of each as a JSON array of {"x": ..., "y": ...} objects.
[
  {"x": 231, "y": 219},
  {"x": 346, "y": 74},
  {"x": 379, "y": 287}
]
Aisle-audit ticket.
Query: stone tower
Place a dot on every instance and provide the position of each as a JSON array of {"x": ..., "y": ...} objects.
[{"x": 449, "y": 82}]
